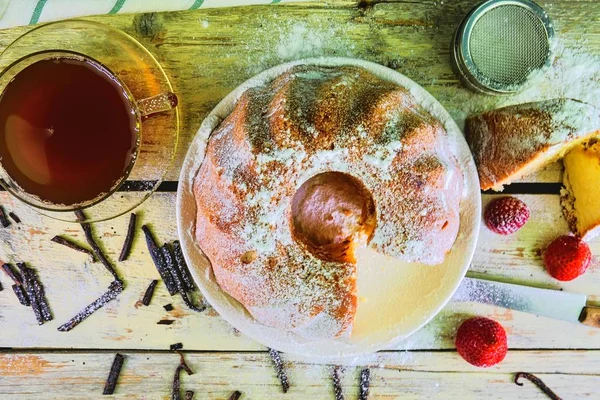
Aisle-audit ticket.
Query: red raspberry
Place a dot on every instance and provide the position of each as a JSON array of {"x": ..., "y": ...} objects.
[
  {"x": 506, "y": 215},
  {"x": 481, "y": 342},
  {"x": 567, "y": 257}
]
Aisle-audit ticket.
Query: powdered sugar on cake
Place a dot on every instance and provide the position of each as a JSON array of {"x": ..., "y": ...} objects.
[{"x": 273, "y": 142}]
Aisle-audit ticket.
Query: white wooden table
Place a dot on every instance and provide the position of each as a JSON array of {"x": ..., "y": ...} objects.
[{"x": 208, "y": 53}]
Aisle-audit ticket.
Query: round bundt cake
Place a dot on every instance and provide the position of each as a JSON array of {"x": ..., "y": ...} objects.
[{"x": 306, "y": 169}]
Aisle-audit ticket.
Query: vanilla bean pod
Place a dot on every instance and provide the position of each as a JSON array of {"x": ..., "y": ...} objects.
[
  {"x": 113, "y": 291},
  {"x": 17, "y": 288},
  {"x": 129, "y": 238},
  {"x": 21, "y": 295},
  {"x": 89, "y": 236},
  {"x": 537, "y": 382},
  {"x": 35, "y": 293},
  {"x": 177, "y": 279},
  {"x": 176, "y": 394},
  {"x": 159, "y": 261},
  {"x": 15, "y": 217},
  {"x": 364, "y": 384},
  {"x": 337, "y": 383},
  {"x": 176, "y": 346},
  {"x": 188, "y": 281},
  {"x": 12, "y": 274},
  {"x": 149, "y": 293},
  {"x": 113, "y": 376},
  {"x": 74, "y": 246},
  {"x": 44, "y": 306},
  {"x": 3, "y": 220},
  {"x": 280, "y": 369},
  {"x": 188, "y": 302},
  {"x": 235, "y": 395}
]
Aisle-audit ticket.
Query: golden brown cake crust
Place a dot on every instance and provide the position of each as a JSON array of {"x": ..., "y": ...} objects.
[
  {"x": 309, "y": 121},
  {"x": 506, "y": 142},
  {"x": 500, "y": 156}
]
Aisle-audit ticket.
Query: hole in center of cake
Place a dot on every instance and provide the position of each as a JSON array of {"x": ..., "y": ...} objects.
[{"x": 333, "y": 213}]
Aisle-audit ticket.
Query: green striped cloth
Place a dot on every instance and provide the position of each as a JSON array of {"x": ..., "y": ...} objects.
[{"x": 27, "y": 12}]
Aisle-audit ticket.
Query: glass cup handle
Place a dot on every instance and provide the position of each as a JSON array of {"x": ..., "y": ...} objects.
[{"x": 156, "y": 104}]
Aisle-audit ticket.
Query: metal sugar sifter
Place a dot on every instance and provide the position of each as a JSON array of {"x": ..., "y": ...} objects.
[{"x": 502, "y": 46}]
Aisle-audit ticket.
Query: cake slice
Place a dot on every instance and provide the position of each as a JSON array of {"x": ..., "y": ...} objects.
[
  {"x": 580, "y": 197},
  {"x": 511, "y": 142}
]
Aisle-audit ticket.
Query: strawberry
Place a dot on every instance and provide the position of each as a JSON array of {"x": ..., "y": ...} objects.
[
  {"x": 506, "y": 215},
  {"x": 567, "y": 257},
  {"x": 481, "y": 342}
]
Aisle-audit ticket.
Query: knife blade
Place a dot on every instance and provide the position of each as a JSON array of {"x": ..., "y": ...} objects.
[{"x": 544, "y": 302}]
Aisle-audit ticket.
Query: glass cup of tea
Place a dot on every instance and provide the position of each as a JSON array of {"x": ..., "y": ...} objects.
[{"x": 81, "y": 120}]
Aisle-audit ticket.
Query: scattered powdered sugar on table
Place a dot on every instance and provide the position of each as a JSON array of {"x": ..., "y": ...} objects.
[
  {"x": 574, "y": 74},
  {"x": 302, "y": 41},
  {"x": 278, "y": 42}
]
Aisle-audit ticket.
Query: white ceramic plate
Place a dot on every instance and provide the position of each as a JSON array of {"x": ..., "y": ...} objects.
[{"x": 401, "y": 297}]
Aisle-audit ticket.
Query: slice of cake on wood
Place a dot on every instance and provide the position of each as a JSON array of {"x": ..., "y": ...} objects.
[
  {"x": 580, "y": 197},
  {"x": 511, "y": 142}
]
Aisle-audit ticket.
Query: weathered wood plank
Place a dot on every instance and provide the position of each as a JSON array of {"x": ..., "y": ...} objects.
[
  {"x": 518, "y": 257},
  {"x": 209, "y": 52},
  {"x": 411, "y": 37},
  {"x": 406, "y": 375},
  {"x": 72, "y": 282}
]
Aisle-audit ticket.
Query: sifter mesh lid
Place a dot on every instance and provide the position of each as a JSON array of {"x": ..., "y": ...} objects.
[
  {"x": 501, "y": 43},
  {"x": 508, "y": 43}
]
